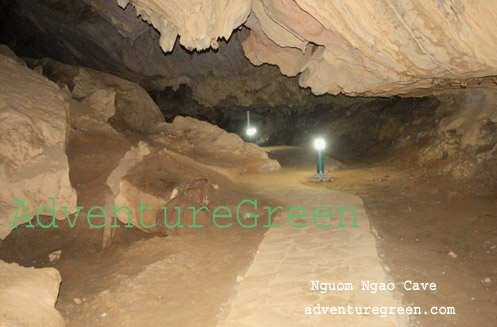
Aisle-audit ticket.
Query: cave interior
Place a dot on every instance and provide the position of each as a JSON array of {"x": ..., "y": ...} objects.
[{"x": 200, "y": 119}]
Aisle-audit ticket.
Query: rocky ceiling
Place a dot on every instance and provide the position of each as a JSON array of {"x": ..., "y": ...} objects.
[
  {"x": 101, "y": 35},
  {"x": 354, "y": 47},
  {"x": 357, "y": 47}
]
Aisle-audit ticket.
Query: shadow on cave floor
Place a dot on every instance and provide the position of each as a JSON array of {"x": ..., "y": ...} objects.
[{"x": 429, "y": 229}]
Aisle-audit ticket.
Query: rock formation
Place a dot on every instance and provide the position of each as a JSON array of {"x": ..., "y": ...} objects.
[
  {"x": 212, "y": 145},
  {"x": 100, "y": 35},
  {"x": 28, "y": 296},
  {"x": 468, "y": 146},
  {"x": 182, "y": 160},
  {"x": 34, "y": 124},
  {"x": 161, "y": 179},
  {"x": 371, "y": 48},
  {"x": 374, "y": 47},
  {"x": 125, "y": 102},
  {"x": 198, "y": 23},
  {"x": 354, "y": 47}
]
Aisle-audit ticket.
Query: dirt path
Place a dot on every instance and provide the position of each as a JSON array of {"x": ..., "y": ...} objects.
[
  {"x": 277, "y": 289},
  {"x": 194, "y": 279},
  {"x": 430, "y": 229}
]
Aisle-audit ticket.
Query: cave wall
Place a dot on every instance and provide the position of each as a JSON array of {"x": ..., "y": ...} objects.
[
  {"x": 451, "y": 134},
  {"x": 440, "y": 52},
  {"x": 100, "y": 35}
]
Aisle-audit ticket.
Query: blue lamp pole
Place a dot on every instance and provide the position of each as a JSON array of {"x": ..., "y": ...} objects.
[{"x": 320, "y": 144}]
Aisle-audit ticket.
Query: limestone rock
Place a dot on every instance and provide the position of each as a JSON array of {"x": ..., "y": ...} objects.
[
  {"x": 7, "y": 52},
  {"x": 28, "y": 296},
  {"x": 198, "y": 23},
  {"x": 130, "y": 159},
  {"x": 211, "y": 144},
  {"x": 126, "y": 195},
  {"x": 133, "y": 106},
  {"x": 466, "y": 147},
  {"x": 126, "y": 102},
  {"x": 34, "y": 121},
  {"x": 374, "y": 47},
  {"x": 355, "y": 47},
  {"x": 120, "y": 43},
  {"x": 155, "y": 179},
  {"x": 103, "y": 101}
]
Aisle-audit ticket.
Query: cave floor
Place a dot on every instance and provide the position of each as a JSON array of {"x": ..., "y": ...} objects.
[
  {"x": 431, "y": 229},
  {"x": 286, "y": 283},
  {"x": 427, "y": 230}
]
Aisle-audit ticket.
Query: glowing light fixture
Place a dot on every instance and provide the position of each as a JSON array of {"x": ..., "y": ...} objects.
[
  {"x": 320, "y": 177},
  {"x": 319, "y": 144},
  {"x": 251, "y": 131}
]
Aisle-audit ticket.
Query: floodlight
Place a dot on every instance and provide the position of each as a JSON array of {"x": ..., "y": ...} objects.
[
  {"x": 319, "y": 144},
  {"x": 251, "y": 131}
]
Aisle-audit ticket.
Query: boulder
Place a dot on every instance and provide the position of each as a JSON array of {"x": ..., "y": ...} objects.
[
  {"x": 103, "y": 101},
  {"x": 128, "y": 104},
  {"x": 34, "y": 122},
  {"x": 158, "y": 178},
  {"x": 213, "y": 145},
  {"x": 28, "y": 296}
]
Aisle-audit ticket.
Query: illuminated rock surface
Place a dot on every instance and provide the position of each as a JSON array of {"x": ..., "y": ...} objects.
[
  {"x": 28, "y": 296},
  {"x": 34, "y": 123},
  {"x": 354, "y": 47}
]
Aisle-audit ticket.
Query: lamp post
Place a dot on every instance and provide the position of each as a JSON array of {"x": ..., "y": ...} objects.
[
  {"x": 320, "y": 144},
  {"x": 320, "y": 177}
]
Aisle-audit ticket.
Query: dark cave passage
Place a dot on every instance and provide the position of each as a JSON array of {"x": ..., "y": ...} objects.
[{"x": 354, "y": 127}]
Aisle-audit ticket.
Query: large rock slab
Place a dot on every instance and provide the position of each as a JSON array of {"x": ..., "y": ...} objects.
[
  {"x": 34, "y": 122},
  {"x": 212, "y": 145},
  {"x": 28, "y": 296},
  {"x": 126, "y": 103},
  {"x": 156, "y": 178}
]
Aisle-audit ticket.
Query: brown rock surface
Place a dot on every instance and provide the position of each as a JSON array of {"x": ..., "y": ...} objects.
[
  {"x": 354, "y": 47},
  {"x": 199, "y": 23},
  {"x": 34, "y": 123},
  {"x": 212, "y": 145},
  {"x": 126, "y": 102},
  {"x": 28, "y": 296},
  {"x": 155, "y": 178},
  {"x": 183, "y": 160}
]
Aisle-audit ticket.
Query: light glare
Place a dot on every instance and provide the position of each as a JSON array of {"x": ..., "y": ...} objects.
[
  {"x": 251, "y": 131},
  {"x": 319, "y": 144}
]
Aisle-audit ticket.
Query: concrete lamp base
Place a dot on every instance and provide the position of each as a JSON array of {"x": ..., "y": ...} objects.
[{"x": 321, "y": 178}]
